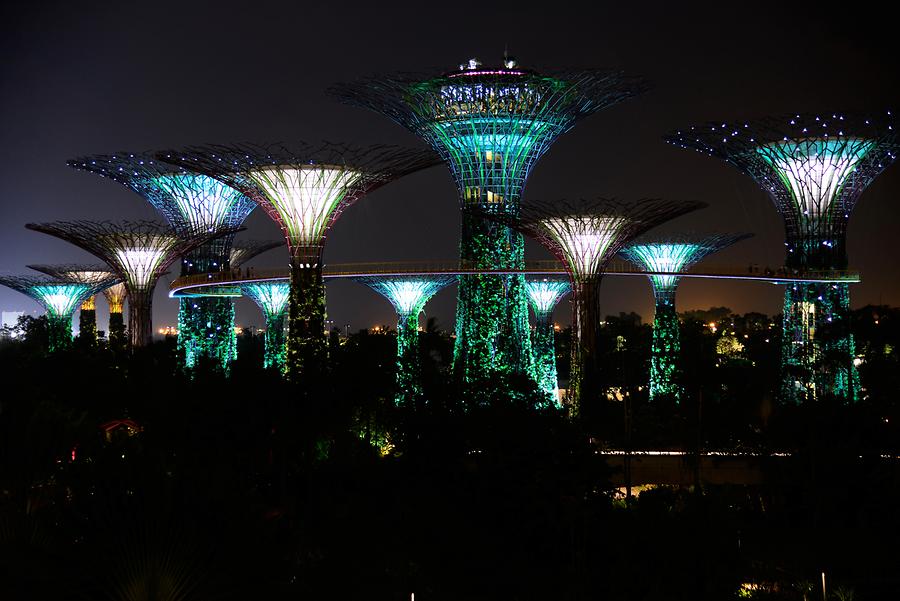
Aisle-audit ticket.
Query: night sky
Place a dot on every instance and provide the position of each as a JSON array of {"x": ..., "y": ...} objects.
[{"x": 86, "y": 78}]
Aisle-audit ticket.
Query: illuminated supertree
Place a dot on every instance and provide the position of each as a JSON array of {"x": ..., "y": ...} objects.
[
  {"x": 60, "y": 298},
  {"x": 244, "y": 250},
  {"x": 188, "y": 201},
  {"x": 490, "y": 125},
  {"x": 92, "y": 275},
  {"x": 304, "y": 189},
  {"x": 272, "y": 298},
  {"x": 585, "y": 235},
  {"x": 408, "y": 294},
  {"x": 138, "y": 252},
  {"x": 814, "y": 167},
  {"x": 543, "y": 295},
  {"x": 666, "y": 257},
  {"x": 115, "y": 297}
]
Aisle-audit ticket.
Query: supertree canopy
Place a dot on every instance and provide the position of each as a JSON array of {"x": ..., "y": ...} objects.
[
  {"x": 244, "y": 250},
  {"x": 60, "y": 298},
  {"x": 115, "y": 298},
  {"x": 814, "y": 167},
  {"x": 188, "y": 201},
  {"x": 666, "y": 257},
  {"x": 272, "y": 298},
  {"x": 138, "y": 252},
  {"x": 585, "y": 235},
  {"x": 304, "y": 188},
  {"x": 91, "y": 275},
  {"x": 408, "y": 294},
  {"x": 543, "y": 295},
  {"x": 490, "y": 125}
]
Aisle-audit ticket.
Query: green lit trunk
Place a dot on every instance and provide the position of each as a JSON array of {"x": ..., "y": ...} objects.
[
  {"x": 544, "y": 349},
  {"x": 306, "y": 351},
  {"x": 59, "y": 332},
  {"x": 274, "y": 350},
  {"x": 206, "y": 332},
  {"x": 408, "y": 363},
  {"x": 818, "y": 349},
  {"x": 492, "y": 333},
  {"x": 665, "y": 349}
]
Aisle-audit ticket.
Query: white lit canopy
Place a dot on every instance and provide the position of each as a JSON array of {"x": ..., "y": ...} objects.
[
  {"x": 815, "y": 170},
  {"x": 585, "y": 240},
  {"x": 141, "y": 260},
  {"x": 304, "y": 197}
]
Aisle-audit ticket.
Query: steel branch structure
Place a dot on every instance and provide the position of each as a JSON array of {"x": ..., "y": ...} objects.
[
  {"x": 138, "y": 252},
  {"x": 188, "y": 201},
  {"x": 272, "y": 298},
  {"x": 491, "y": 126},
  {"x": 91, "y": 275},
  {"x": 244, "y": 250},
  {"x": 408, "y": 295},
  {"x": 814, "y": 168},
  {"x": 304, "y": 188},
  {"x": 543, "y": 295},
  {"x": 60, "y": 298},
  {"x": 585, "y": 235},
  {"x": 668, "y": 257}
]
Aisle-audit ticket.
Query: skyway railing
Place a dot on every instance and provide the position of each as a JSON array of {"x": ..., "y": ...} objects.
[{"x": 223, "y": 283}]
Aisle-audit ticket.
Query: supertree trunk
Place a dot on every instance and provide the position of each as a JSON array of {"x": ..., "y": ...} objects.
[
  {"x": 87, "y": 324},
  {"x": 274, "y": 341},
  {"x": 492, "y": 332},
  {"x": 408, "y": 364},
  {"x": 117, "y": 336},
  {"x": 585, "y": 372},
  {"x": 665, "y": 348},
  {"x": 544, "y": 348},
  {"x": 817, "y": 345},
  {"x": 140, "y": 317},
  {"x": 306, "y": 323},
  {"x": 206, "y": 330},
  {"x": 59, "y": 332}
]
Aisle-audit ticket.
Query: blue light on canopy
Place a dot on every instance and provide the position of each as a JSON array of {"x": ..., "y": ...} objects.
[
  {"x": 201, "y": 200},
  {"x": 407, "y": 295},
  {"x": 272, "y": 297},
  {"x": 60, "y": 300},
  {"x": 545, "y": 294},
  {"x": 667, "y": 258}
]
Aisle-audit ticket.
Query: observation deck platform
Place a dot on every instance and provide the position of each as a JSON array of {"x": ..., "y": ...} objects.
[{"x": 226, "y": 283}]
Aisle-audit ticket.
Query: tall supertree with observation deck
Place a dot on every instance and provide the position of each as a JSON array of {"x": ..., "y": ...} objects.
[
  {"x": 60, "y": 298},
  {"x": 303, "y": 188},
  {"x": 814, "y": 168},
  {"x": 92, "y": 275},
  {"x": 585, "y": 235},
  {"x": 490, "y": 125},
  {"x": 188, "y": 201},
  {"x": 272, "y": 298},
  {"x": 138, "y": 252},
  {"x": 666, "y": 258},
  {"x": 408, "y": 295},
  {"x": 543, "y": 294}
]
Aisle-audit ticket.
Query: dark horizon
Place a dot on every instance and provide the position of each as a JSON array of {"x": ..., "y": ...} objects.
[{"x": 84, "y": 80}]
